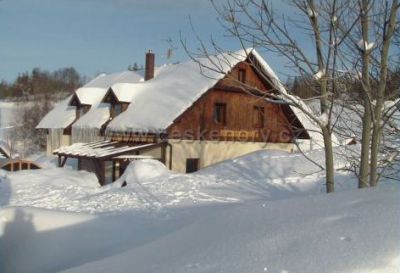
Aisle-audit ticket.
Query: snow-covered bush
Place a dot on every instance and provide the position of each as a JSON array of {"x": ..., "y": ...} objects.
[{"x": 143, "y": 170}]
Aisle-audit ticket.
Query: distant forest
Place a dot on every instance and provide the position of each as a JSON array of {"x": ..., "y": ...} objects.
[
  {"x": 34, "y": 95},
  {"x": 64, "y": 81},
  {"x": 349, "y": 87},
  {"x": 41, "y": 82}
]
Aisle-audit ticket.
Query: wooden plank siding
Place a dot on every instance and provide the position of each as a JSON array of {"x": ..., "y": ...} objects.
[{"x": 198, "y": 122}]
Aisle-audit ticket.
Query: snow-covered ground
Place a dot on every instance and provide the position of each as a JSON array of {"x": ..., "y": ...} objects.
[
  {"x": 151, "y": 186},
  {"x": 264, "y": 212}
]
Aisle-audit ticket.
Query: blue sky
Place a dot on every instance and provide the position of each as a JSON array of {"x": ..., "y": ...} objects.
[{"x": 100, "y": 35}]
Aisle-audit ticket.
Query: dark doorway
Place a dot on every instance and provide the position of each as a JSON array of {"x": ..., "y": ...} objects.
[{"x": 192, "y": 165}]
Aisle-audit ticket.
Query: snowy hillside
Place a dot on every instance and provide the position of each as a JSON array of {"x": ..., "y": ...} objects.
[
  {"x": 7, "y": 110},
  {"x": 356, "y": 231}
]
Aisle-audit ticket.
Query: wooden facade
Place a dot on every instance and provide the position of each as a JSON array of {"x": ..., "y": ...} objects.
[{"x": 246, "y": 116}]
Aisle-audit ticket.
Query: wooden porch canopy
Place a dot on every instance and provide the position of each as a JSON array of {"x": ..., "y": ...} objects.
[
  {"x": 101, "y": 150},
  {"x": 95, "y": 156}
]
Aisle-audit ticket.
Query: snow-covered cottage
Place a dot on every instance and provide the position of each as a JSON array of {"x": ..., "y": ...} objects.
[{"x": 185, "y": 115}]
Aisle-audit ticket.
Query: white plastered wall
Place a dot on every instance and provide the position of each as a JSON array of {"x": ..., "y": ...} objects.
[{"x": 211, "y": 152}]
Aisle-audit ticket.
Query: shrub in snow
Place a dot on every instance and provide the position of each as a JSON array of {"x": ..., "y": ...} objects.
[{"x": 142, "y": 170}]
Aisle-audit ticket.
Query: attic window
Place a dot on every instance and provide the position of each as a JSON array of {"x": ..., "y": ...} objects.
[
  {"x": 116, "y": 109},
  {"x": 220, "y": 113},
  {"x": 81, "y": 110},
  {"x": 242, "y": 75},
  {"x": 74, "y": 101},
  {"x": 258, "y": 117}
]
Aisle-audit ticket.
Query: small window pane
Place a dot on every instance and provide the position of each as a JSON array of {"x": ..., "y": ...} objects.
[
  {"x": 242, "y": 75},
  {"x": 258, "y": 116},
  {"x": 220, "y": 113},
  {"x": 118, "y": 109}
]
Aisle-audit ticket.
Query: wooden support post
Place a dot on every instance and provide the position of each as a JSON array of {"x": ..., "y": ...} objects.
[
  {"x": 113, "y": 171},
  {"x": 163, "y": 154},
  {"x": 59, "y": 161},
  {"x": 64, "y": 161},
  {"x": 100, "y": 171},
  {"x": 170, "y": 156}
]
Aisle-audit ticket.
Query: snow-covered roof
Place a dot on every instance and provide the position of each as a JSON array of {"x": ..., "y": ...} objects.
[
  {"x": 126, "y": 92},
  {"x": 60, "y": 117},
  {"x": 156, "y": 103},
  {"x": 105, "y": 81},
  {"x": 95, "y": 117},
  {"x": 92, "y": 94}
]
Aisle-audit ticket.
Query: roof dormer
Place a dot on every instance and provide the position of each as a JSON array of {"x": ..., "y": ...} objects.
[
  {"x": 116, "y": 106},
  {"x": 75, "y": 101},
  {"x": 110, "y": 97}
]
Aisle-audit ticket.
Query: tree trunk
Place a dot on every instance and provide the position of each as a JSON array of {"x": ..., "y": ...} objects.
[
  {"x": 367, "y": 116},
  {"x": 389, "y": 28},
  {"x": 365, "y": 146},
  {"x": 329, "y": 168},
  {"x": 375, "y": 144}
]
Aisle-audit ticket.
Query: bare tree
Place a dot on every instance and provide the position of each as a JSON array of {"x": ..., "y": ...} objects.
[
  {"x": 254, "y": 23},
  {"x": 350, "y": 36},
  {"x": 372, "y": 38},
  {"x": 389, "y": 26}
]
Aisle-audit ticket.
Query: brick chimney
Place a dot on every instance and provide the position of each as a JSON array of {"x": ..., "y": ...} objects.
[{"x": 149, "y": 66}]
